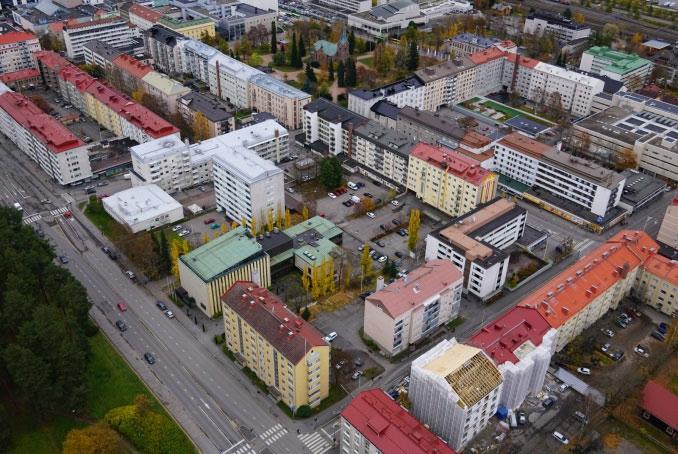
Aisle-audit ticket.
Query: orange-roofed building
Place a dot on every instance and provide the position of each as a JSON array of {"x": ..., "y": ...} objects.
[
  {"x": 60, "y": 153},
  {"x": 143, "y": 16},
  {"x": 585, "y": 291},
  {"x": 131, "y": 67},
  {"x": 21, "y": 79},
  {"x": 408, "y": 309},
  {"x": 657, "y": 284},
  {"x": 16, "y": 51},
  {"x": 447, "y": 180}
]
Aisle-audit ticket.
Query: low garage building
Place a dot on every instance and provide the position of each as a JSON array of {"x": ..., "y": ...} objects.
[{"x": 143, "y": 208}]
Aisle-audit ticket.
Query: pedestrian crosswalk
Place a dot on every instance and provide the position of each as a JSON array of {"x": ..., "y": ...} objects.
[
  {"x": 32, "y": 218},
  {"x": 240, "y": 448},
  {"x": 315, "y": 442},
  {"x": 58, "y": 211},
  {"x": 273, "y": 434}
]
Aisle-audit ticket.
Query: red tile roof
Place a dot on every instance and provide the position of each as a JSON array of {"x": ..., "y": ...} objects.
[
  {"x": 16, "y": 37},
  {"x": 51, "y": 59},
  {"x": 453, "y": 162},
  {"x": 523, "y": 61},
  {"x": 422, "y": 283},
  {"x": 389, "y": 427},
  {"x": 22, "y": 74},
  {"x": 573, "y": 289},
  {"x": 290, "y": 334},
  {"x": 54, "y": 135},
  {"x": 660, "y": 403},
  {"x": 76, "y": 76},
  {"x": 486, "y": 55},
  {"x": 662, "y": 267},
  {"x": 524, "y": 144},
  {"x": 131, "y": 66},
  {"x": 501, "y": 338},
  {"x": 75, "y": 26},
  {"x": 145, "y": 12}
]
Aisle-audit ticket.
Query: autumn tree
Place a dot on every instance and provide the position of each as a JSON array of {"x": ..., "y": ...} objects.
[
  {"x": 175, "y": 252},
  {"x": 578, "y": 18},
  {"x": 341, "y": 74},
  {"x": 366, "y": 263},
  {"x": 270, "y": 220},
  {"x": 412, "y": 55},
  {"x": 467, "y": 123},
  {"x": 224, "y": 227},
  {"x": 288, "y": 218},
  {"x": 205, "y": 238},
  {"x": 413, "y": 229},
  {"x": 96, "y": 439},
  {"x": 304, "y": 213},
  {"x": 201, "y": 127},
  {"x": 626, "y": 159}
]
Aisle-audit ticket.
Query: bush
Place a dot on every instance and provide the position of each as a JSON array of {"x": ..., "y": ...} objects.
[
  {"x": 219, "y": 338},
  {"x": 228, "y": 352},
  {"x": 304, "y": 411},
  {"x": 91, "y": 329},
  {"x": 306, "y": 314}
]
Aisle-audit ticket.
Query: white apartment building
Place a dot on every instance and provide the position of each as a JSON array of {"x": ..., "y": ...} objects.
[
  {"x": 349, "y": 6},
  {"x": 388, "y": 19},
  {"x": 174, "y": 165},
  {"x": 114, "y": 31},
  {"x": 195, "y": 58},
  {"x": 58, "y": 152},
  {"x": 327, "y": 125},
  {"x": 382, "y": 153},
  {"x": 520, "y": 343},
  {"x": 454, "y": 390},
  {"x": 247, "y": 187},
  {"x": 143, "y": 208},
  {"x": 564, "y": 30},
  {"x": 164, "y": 47},
  {"x": 630, "y": 69},
  {"x": 410, "y": 308},
  {"x": 407, "y": 92},
  {"x": 16, "y": 51},
  {"x": 474, "y": 244},
  {"x": 229, "y": 79},
  {"x": 536, "y": 164}
]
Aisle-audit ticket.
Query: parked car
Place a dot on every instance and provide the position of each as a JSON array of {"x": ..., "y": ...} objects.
[
  {"x": 351, "y": 185},
  {"x": 368, "y": 195},
  {"x": 560, "y": 437},
  {"x": 122, "y": 306},
  {"x": 290, "y": 190},
  {"x": 402, "y": 232},
  {"x": 584, "y": 370},
  {"x": 608, "y": 332},
  {"x": 330, "y": 337},
  {"x": 347, "y": 204},
  {"x": 331, "y": 195},
  {"x": 161, "y": 305},
  {"x": 121, "y": 325},
  {"x": 380, "y": 243},
  {"x": 214, "y": 226},
  {"x": 130, "y": 274},
  {"x": 616, "y": 355},
  {"x": 208, "y": 221},
  {"x": 395, "y": 203},
  {"x": 399, "y": 254},
  {"x": 177, "y": 228},
  {"x": 522, "y": 417},
  {"x": 621, "y": 323},
  {"x": 184, "y": 232},
  {"x": 581, "y": 417},
  {"x": 382, "y": 259},
  {"x": 356, "y": 374},
  {"x": 150, "y": 359},
  {"x": 63, "y": 259},
  {"x": 563, "y": 387},
  {"x": 358, "y": 362},
  {"x": 662, "y": 328},
  {"x": 658, "y": 335},
  {"x": 396, "y": 222},
  {"x": 370, "y": 215},
  {"x": 340, "y": 364},
  {"x": 642, "y": 351},
  {"x": 382, "y": 227},
  {"x": 605, "y": 348},
  {"x": 548, "y": 402},
  {"x": 393, "y": 394},
  {"x": 169, "y": 313}
]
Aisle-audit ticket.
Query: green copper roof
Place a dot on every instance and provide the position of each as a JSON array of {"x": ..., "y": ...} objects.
[
  {"x": 329, "y": 49},
  {"x": 618, "y": 62},
  {"x": 217, "y": 257},
  {"x": 325, "y": 227},
  {"x": 175, "y": 24}
]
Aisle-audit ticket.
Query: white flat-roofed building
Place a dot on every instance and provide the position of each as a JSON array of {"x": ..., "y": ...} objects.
[
  {"x": 143, "y": 208},
  {"x": 229, "y": 79},
  {"x": 630, "y": 69},
  {"x": 195, "y": 57},
  {"x": 454, "y": 390},
  {"x": 410, "y": 308},
  {"x": 175, "y": 165},
  {"x": 327, "y": 123},
  {"x": 349, "y": 6},
  {"x": 115, "y": 32},
  {"x": 564, "y": 30},
  {"x": 580, "y": 181},
  {"x": 248, "y": 187},
  {"x": 388, "y": 19}
]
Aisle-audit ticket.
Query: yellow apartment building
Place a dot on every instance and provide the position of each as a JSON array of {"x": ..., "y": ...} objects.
[{"x": 285, "y": 351}]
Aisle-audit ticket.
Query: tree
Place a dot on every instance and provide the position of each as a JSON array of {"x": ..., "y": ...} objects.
[
  {"x": 96, "y": 439},
  {"x": 567, "y": 14},
  {"x": 310, "y": 79},
  {"x": 366, "y": 263},
  {"x": 304, "y": 213},
  {"x": 412, "y": 56},
  {"x": 205, "y": 238},
  {"x": 341, "y": 81},
  {"x": 41, "y": 103},
  {"x": 279, "y": 59},
  {"x": 413, "y": 229},
  {"x": 269, "y": 220},
  {"x": 274, "y": 38},
  {"x": 635, "y": 41},
  {"x": 626, "y": 159},
  {"x": 94, "y": 71},
  {"x": 295, "y": 59},
  {"x": 609, "y": 33},
  {"x": 578, "y": 18},
  {"x": 254, "y": 59},
  {"x": 330, "y": 173},
  {"x": 351, "y": 76},
  {"x": 288, "y": 218},
  {"x": 306, "y": 314},
  {"x": 175, "y": 251},
  {"x": 383, "y": 59},
  {"x": 330, "y": 70},
  {"x": 302, "y": 47},
  {"x": 165, "y": 253},
  {"x": 351, "y": 42},
  {"x": 253, "y": 226},
  {"x": 200, "y": 127},
  {"x": 5, "y": 430},
  {"x": 467, "y": 123}
]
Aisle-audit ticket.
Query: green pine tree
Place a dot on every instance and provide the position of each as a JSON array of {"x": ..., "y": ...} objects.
[
  {"x": 330, "y": 70},
  {"x": 351, "y": 76},
  {"x": 341, "y": 74},
  {"x": 302, "y": 47},
  {"x": 295, "y": 61},
  {"x": 310, "y": 74},
  {"x": 412, "y": 56},
  {"x": 274, "y": 38},
  {"x": 351, "y": 42}
]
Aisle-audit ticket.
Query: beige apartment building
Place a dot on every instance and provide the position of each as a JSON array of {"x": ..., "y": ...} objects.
[
  {"x": 657, "y": 284},
  {"x": 285, "y": 351},
  {"x": 283, "y": 101},
  {"x": 668, "y": 232},
  {"x": 449, "y": 181}
]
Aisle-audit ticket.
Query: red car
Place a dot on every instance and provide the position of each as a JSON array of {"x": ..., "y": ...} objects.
[
  {"x": 67, "y": 214},
  {"x": 122, "y": 306},
  {"x": 208, "y": 221}
]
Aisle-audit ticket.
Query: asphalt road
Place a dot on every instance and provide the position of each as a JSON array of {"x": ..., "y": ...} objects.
[{"x": 209, "y": 397}]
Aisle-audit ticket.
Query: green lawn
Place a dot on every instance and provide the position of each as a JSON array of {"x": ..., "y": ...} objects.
[
  {"x": 367, "y": 61},
  {"x": 111, "y": 384},
  {"x": 286, "y": 68}
]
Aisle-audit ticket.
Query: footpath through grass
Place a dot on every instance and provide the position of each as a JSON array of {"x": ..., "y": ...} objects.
[{"x": 111, "y": 383}]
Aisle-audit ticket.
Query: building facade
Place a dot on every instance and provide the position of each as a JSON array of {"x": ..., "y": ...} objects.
[
  {"x": 283, "y": 101},
  {"x": 407, "y": 310},
  {"x": 209, "y": 271},
  {"x": 448, "y": 181},
  {"x": 163, "y": 46},
  {"x": 281, "y": 348},
  {"x": 668, "y": 231},
  {"x": 563, "y": 30},
  {"x": 16, "y": 51},
  {"x": 219, "y": 116},
  {"x": 143, "y": 208},
  {"x": 629, "y": 69},
  {"x": 113, "y": 31},
  {"x": 454, "y": 390},
  {"x": 474, "y": 243},
  {"x": 657, "y": 284},
  {"x": 328, "y": 126},
  {"x": 388, "y": 19},
  {"x": 374, "y": 423}
]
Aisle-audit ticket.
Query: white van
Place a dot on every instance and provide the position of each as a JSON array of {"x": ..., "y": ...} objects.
[{"x": 18, "y": 207}]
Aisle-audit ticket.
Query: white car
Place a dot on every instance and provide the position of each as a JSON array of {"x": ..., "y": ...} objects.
[
  {"x": 584, "y": 370},
  {"x": 290, "y": 190},
  {"x": 370, "y": 215},
  {"x": 177, "y": 228},
  {"x": 330, "y": 337},
  {"x": 169, "y": 313},
  {"x": 382, "y": 259},
  {"x": 331, "y": 195},
  {"x": 560, "y": 437},
  {"x": 395, "y": 203}
]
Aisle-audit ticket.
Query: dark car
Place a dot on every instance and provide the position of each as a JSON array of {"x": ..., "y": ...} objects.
[
  {"x": 548, "y": 402},
  {"x": 367, "y": 194},
  {"x": 380, "y": 243},
  {"x": 399, "y": 254},
  {"x": 208, "y": 221},
  {"x": 150, "y": 359},
  {"x": 161, "y": 305},
  {"x": 63, "y": 259},
  {"x": 396, "y": 222},
  {"x": 109, "y": 252},
  {"x": 402, "y": 232},
  {"x": 358, "y": 362},
  {"x": 659, "y": 336},
  {"x": 121, "y": 325}
]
